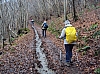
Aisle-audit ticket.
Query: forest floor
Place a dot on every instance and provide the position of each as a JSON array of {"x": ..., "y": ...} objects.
[
  {"x": 24, "y": 56},
  {"x": 21, "y": 57}
]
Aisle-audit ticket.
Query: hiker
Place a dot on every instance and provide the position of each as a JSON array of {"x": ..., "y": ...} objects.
[
  {"x": 32, "y": 21},
  {"x": 68, "y": 47},
  {"x": 44, "y": 28}
]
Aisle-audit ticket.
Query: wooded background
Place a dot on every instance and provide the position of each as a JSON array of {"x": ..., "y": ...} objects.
[{"x": 15, "y": 14}]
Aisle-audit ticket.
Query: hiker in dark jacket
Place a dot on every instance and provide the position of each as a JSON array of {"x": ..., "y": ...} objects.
[
  {"x": 32, "y": 21},
  {"x": 68, "y": 47},
  {"x": 44, "y": 29}
]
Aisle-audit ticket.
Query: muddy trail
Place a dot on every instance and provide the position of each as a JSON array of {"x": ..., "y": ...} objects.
[
  {"x": 33, "y": 54},
  {"x": 55, "y": 57}
]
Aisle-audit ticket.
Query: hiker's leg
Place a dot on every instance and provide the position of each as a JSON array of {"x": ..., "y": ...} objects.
[
  {"x": 70, "y": 51},
  {"x": 45, "y": 32},
  {"x": 67, "y": 47},
  {"x": 42, "y": 32}
]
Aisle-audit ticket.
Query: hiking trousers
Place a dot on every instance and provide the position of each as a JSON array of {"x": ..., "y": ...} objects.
[
  {"x": 68, "y": 48},
  {"x": 44, "y": 32}
]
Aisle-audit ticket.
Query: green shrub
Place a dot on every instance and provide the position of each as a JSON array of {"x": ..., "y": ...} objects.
[
  {"x": 85, "y": 48},
  {"x": 93, "y": 27},
  {"x": 12, "y": 39},
  {"x": 95, "y": 34},
  {"x": 97, "y": 71}
]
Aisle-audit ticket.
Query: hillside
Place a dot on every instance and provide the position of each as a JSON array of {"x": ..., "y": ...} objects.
[
  {"x": 87, "y": 50},
  {"x": 22, "y": 57}
]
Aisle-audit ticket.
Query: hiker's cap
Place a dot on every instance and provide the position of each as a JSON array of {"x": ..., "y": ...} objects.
[
  {"x": 67, "y": 23},
  {"x": 32, "y": 20},
  {"x": 44, "y": 21}
]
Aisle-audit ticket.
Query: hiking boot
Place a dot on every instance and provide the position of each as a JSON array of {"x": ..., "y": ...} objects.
[
  {"x": 71, "y": 61},
  {"x": 67, "y": 64}
]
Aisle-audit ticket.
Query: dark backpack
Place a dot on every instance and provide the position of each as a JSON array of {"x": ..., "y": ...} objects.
[{"x": 45, "y": 25}]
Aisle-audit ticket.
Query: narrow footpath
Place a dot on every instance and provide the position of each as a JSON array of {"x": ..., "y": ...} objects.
[
  {"x": 55, "y": 58},
  {"x": 33, "y": 54}
]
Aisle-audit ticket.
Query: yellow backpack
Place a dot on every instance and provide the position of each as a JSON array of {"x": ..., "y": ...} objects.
[{"x": 70, "y": 34}]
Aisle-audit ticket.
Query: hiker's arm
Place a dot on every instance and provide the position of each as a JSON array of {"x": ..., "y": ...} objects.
[
  {"x": 42, "y": 25},
  {"x": 76, "y": 34},
  {"x": 62, "y": 34}
]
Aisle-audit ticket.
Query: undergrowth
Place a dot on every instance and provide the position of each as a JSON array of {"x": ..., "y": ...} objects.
[
  {"x": 55, "y": 27},
  {"x": 23, "y": 31}
]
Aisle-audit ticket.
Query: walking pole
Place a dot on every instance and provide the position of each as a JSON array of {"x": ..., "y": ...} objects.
[
  {"x": 77, "y": 57},
  {"x": 60, "y": 53},
  {"x": 60, "y": 57}
]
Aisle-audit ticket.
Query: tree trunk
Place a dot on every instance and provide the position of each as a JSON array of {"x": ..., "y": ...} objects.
[
  {"x": 75, "y": 18},
  {"x": 65, "y": 15}
]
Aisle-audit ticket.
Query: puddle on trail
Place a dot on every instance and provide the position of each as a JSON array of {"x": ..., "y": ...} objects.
[{"x": 41, "y": 56}]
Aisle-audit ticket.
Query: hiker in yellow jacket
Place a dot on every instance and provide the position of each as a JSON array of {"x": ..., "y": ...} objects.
[{"x": 68, "y": 47}]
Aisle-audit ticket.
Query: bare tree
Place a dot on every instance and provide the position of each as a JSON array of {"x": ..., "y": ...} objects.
[
  {"x": 13, "y": 16},
  {"x": 65, "y": 15},
  {"x": 15, "y": 13},
  {"x": 74, "y": 11}
]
